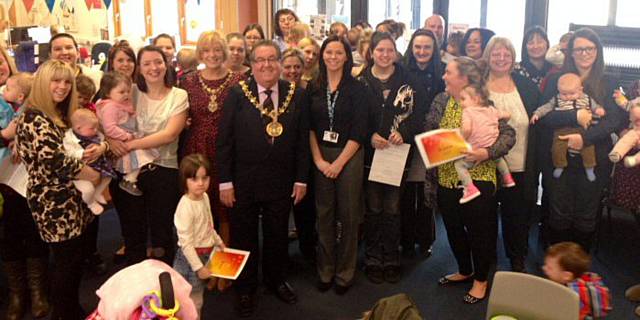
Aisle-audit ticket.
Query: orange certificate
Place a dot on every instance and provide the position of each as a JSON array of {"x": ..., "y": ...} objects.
[
  {"x": 441, "y": 146},
  {"x": 228, "y": 263}
]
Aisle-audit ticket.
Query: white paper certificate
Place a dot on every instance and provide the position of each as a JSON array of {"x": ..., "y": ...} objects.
[{"x": 388, "y": 164}]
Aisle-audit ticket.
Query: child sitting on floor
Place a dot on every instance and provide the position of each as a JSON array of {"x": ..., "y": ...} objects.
[{"x": 568, "y": 264}]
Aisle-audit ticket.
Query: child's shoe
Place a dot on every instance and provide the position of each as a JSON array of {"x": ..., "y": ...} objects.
[
  {"x": 630, "y": 162},
  {"x": 130, "y": 187},
  {"x": 470, "y": 192},
  {"x": 507, "y": 181},
  {"x": 96, "y": 208}
]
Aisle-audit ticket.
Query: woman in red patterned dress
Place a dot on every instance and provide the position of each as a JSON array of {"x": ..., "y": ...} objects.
[{"x": 207, "y": 91}]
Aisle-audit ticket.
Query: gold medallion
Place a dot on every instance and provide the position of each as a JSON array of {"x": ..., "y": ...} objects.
[
  {"x": 274, "y": 129},
  {"x": 213, "y": 105}
]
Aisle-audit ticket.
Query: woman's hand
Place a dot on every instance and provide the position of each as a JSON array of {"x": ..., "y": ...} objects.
[
  {"x": 574, "y": 141},
  {"x": 477, "y": 155},
  {"x": 204, "y": 273},
  {"x": 93, "y": 152},
  {"x": 378, "y": 142},
  {"x": 118, "y": 148},
  {"x": 584, "y": 117},
  {"x": 322, "y": 165},
  {"x": 333, "y": 170},
  {"x": 396, "y": 138}
]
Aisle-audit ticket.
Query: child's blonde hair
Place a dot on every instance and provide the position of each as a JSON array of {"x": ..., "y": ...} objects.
[
  {"x": 84, "y": 117},
  {"x": 189, "y": 167},
  {"x": 24, "y": 80},
  {"x": 475, "y": 89},
  {"x": 571, "y": 257},
  {"x": 187, "y": 59}
]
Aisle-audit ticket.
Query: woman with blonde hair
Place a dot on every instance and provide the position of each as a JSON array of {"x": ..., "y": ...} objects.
[
  {"x": 57, "y": 207},
  {"x": 516, "y": 94},
  {"x": 208, "y": 89},
  {"x": 310, "y": 50}
]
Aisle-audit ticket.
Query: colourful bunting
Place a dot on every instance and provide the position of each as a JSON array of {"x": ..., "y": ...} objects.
[
  {"x": 28, "y": 4},
  {"x": 50, "y": 4},
  {"x": 107, "y": 3}
]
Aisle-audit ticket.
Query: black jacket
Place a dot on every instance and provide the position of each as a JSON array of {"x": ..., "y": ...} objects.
[
  {"x": 383, "y": 113},
  {"x": 245, "y": 157}
]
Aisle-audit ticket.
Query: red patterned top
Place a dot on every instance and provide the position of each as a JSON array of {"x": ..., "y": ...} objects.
[{"x": 201, "y": 136}]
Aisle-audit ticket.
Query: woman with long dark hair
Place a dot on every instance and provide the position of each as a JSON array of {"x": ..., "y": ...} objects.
[
  {"x": 396, "y": 110},
  {"x": 338, "y": 126}
]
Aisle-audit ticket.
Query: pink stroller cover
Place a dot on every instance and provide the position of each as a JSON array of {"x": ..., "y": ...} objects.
[{"x": 121, "y": 294}]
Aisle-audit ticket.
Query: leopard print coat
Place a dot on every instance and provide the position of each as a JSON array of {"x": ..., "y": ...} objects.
[{"x": 56, "y": 205}]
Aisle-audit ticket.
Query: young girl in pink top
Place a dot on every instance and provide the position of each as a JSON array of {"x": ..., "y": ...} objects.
[
  {"x": 480, "y": 129},
  {"x": 117, "y": 117}
]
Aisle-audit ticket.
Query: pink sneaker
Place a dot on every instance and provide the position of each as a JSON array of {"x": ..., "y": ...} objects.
[
  {"x": 507, "y": 181},
  {"x": 470, "y": 192}
]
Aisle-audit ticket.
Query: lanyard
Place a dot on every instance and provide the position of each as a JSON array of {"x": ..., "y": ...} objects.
[{"x": 331, "y": 106}]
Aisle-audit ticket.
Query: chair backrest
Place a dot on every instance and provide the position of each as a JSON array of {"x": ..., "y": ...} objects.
[{"x": 525, "y": 297}]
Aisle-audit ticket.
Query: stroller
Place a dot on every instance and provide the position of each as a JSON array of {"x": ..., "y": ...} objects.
[{"x": 148, "y": 290}]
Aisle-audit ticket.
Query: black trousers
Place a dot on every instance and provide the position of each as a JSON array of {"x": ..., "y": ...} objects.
[
  {"x": 304, "y": 216},
  {"x": 472, "y": 228},
  {"x": 149, "y": 215},
  {"x": 244, "y": 220},
  {"x": 20, "y": 239},
  {"x": 418, "y": 225},
  {"x": 66, "y": 276},
  {"x": 515, "y": 215}
]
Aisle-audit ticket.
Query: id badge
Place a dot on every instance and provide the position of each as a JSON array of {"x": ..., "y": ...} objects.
[{"x": 330, "y": 136}]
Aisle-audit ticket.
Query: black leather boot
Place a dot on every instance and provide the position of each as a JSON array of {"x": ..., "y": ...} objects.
[
  {"x": 37, "y": 279},
  {"x": 16, "y": 276}
]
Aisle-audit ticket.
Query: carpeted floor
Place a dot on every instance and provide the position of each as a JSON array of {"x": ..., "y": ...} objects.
[{"x": 617, "y": 260}]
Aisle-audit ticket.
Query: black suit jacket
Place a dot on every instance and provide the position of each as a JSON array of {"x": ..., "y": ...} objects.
[{"x": 245, "y": 156}]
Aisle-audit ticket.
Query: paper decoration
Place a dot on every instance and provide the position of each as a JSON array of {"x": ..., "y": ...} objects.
[
  {"x": 50, "y": 4},
  {"x": 107, "y": 3},
  {"x": 28, "y": 4},
  {"x": 95, "y": 4}
]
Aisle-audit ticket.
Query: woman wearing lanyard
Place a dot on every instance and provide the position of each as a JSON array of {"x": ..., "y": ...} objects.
[
  {"x": 397, "y": 106},
  {"x": 338, "y": 128}
]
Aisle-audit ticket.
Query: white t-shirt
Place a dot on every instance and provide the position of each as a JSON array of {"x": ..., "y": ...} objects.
[
  {"x": 153, "y": 116},
  {"x": 194, "y": 225}
]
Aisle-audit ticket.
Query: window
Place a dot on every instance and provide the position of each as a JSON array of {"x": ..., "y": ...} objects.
[
  {"x": 564, "y": 12},
  {"x": 464, "y": 13},
  {"x": 199, "y": 16},
  {"x": 132, "y": 23},
  {"x": 627, "y": 14},
  {"x": 335, "y": 10},
  {"x": 411, "y": 12},
  {"x": 506, "y": 19},
  {"x": 165, "y": 18}
]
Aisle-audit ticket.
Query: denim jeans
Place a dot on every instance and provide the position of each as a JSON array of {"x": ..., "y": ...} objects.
[{"x": 182, "y": 266}]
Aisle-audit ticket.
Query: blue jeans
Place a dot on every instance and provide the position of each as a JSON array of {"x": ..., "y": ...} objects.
[{"x": 182, "y": 266}]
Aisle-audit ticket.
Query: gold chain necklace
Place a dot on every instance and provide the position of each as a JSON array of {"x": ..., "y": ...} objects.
[
  {"x": 213, "y": 93},
  {"x": 274, "y": 128}
]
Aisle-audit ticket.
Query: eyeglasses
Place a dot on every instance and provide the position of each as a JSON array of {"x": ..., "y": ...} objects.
[
  {"x": 270, "y": 60},
  {"x": 583, "y": 50}
]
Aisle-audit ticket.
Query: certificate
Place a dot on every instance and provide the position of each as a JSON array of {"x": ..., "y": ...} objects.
[
  {"x": 441, "y": 146},
  {"x": 14, "y": 175},
  {"x": 228, "y": 263},
  {"x": 388, "y": 164}
]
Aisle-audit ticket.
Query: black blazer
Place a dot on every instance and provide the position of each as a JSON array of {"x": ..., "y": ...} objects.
[{"x": 244, "y": 154}]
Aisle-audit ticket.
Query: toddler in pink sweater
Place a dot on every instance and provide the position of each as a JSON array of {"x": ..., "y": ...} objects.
[
  {"x": 117, "y": 117},
  {"x": 480, "y": 129}
]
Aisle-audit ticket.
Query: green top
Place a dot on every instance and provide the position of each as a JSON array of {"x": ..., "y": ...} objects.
[{"x": 447, "y": 175}]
